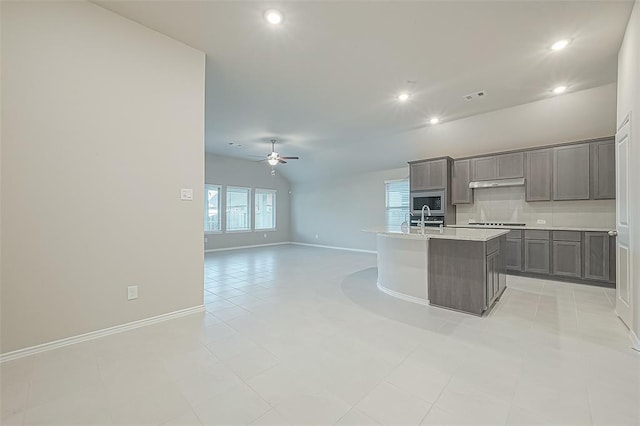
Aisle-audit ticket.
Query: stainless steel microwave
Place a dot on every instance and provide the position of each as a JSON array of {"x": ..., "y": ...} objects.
[{"x": 434, "y": 199}]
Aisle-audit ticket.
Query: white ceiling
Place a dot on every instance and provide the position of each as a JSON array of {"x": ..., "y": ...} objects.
[{"x": 324, "y": 83}]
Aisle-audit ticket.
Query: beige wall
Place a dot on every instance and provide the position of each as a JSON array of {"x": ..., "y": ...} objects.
[
  {"x": 629, "y": 100},
  {"x": 102, "y": 125},
  {"x": 228, "y": 171},
  {"x": 508, "y": 205}
]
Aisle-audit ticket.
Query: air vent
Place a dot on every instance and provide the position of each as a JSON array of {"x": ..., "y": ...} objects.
[{"x": 475, "y": 95}]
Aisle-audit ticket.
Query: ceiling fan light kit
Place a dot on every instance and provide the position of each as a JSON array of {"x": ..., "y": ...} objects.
[{"x": 274, "y": 158}]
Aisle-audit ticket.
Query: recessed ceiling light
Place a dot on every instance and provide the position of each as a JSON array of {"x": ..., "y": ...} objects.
[
  {"x": 434, "y": 120},
  {"x": 273, "y": 16},
  {"x": 560, "y": 89},
  {"x": 560, "y": 44},
  {"x": 404, "y": 96}
]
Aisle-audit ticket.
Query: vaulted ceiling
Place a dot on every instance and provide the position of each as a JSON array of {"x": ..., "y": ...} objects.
[{"x": 325, "y": 82}]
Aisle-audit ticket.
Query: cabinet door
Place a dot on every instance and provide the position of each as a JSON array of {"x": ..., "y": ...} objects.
[
  {"x": 513, "y": 255},
  {"x": 485, "y": 168},
  {"x": 436, "y": 174},
  {"x": 596, "y": 256},
  {"x": 418, "y": 176},
  {"x": 511, "y": 165},
  {"x": 571, "y": 172},
  {"x": 493, "y": 277},
  {"x": 603, "y": 170},
  {"x": 536, "y": 256},
  {"x": 567, "y": 258},
  {"x": 538, "y": 175},
  {"x": 461, "y": 193}
]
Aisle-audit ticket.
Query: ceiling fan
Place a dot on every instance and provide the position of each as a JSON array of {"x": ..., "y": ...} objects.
[{"x": 274, "y": 158}]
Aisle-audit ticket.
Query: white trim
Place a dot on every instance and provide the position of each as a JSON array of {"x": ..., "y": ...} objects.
[
  {"x": 395, "y": 180},
  {"x": 335, "y": 248},
  {"x": 244, "y": 247},
  {"x": 635, "y": 342},
  {"x": 9, "y": 356},
  {"x": 402, "y": 296}
]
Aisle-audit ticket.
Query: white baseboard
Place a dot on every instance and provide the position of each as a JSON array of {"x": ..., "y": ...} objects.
[
  {"x": 246, "y": 247},
  {"x": 9, "y": 356},
  {"x": 334, "y": 247},
  {"x": 402, "y": 296}
]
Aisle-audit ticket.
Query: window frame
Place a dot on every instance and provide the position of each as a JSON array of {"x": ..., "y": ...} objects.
[
  {"x": 249, "y": 211},
  {"x": 386, "y": 199},
  {"x": 257, "y": 191},
  {"x": 206, "y": 207}
]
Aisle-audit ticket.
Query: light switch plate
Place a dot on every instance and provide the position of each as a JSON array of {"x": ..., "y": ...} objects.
[
  {"x": 186, "y": 194},
  {"x": 541, "y": 222},
  {"x": 132, "y": 292}
]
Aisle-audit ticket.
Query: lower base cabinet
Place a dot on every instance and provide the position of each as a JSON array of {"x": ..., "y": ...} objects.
[
  {"x": 513, "y": 255},
  {"x": 567, "y": 258},
  {"x": 537, "y": 256},
  {"x": 596, "y": 256}
]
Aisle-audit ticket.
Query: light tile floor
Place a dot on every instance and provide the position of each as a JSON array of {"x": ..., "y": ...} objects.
[{"x": 301, "y": 335}]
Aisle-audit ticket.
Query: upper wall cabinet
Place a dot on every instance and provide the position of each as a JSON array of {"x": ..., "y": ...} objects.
[
  {"x": 430, "y": 174},
  {"x": 538, "y": 174},
  {"x": 460, "y": 191},
  {"x": 603, "y": 170},
  {"x": 571, "y": 172},
  {"x": 503, "y": 166}
]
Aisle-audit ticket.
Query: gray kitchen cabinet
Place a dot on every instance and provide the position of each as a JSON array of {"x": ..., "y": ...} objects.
[
  {"x": 493, "y": 277},
  {"x": 484, "y": 168},
  {"x": 503, "y": 166},
  {"x": 603, "y": 170},
  {"x": 510, "y": 165},
  {"x": 571, "y": 172},
  {"x": 460, "y": 191},
  {"x": 513, "y": 256},
  {"x": 538, "y": 175},
  {"x": 430, "y": 174},
  {"x": 567, "y": 258},
  {"x": 537, "y": 252},
  {"x": 597, "y": 260}
]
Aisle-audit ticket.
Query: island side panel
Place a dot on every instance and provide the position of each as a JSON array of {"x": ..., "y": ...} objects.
[
  {"x": 457, "y": 275},
  {"x": 402, "y": 267}
]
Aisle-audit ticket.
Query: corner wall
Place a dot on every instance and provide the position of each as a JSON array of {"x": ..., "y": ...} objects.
[
  {"x": 102, "y": 124},
  {"x": 228, "y": 171},
  {"x": 629, "y": 100}
]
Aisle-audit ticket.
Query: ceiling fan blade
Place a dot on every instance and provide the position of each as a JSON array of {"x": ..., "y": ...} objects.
[
  {"x": 259, "y": 161},
  {"x": 258, "y": 156},
  {"x": 291, "y": 158},
  {"x": 281, "y": 160}
]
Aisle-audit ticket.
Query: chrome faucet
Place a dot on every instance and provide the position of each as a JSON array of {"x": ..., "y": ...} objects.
[{"x": 422, "y": 217}]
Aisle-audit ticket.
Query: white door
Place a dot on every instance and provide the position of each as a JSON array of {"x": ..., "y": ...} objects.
[{"x": 624, "y": 288}]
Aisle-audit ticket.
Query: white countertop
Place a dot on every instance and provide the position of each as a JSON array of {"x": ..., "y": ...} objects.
[
  {"x": 533, "y": 227},
  {"x": 447, "y": 233}
]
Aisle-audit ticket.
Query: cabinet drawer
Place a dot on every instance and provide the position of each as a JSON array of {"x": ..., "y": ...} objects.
[
  {"x": 493, "y": 245},
  {"x": 536, "y": 235},
  {"x": 514, "y": 234},
  {"x": 566, "y": 236}
]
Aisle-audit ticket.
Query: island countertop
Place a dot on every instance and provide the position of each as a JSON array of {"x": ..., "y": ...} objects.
[{"x": 466, "y": 234}]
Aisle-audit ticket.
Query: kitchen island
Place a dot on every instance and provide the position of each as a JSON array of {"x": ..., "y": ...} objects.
[{"x": 454, "y": 268}]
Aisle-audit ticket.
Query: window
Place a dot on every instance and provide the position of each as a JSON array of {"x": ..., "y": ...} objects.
[
  {"x": 396, "y": 202},
  {"x": 265, "y": 209},
  {"x": 238, "y": 209},
  {"x": 212, "y": 208}
]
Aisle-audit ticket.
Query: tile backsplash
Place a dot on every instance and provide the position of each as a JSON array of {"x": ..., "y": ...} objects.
[{"x": 508, "y": 205}]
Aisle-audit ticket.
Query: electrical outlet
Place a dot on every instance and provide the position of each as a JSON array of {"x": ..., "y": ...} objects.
[
  {"x": 317, "y": 236},
  {"x": 265, "y": 235},
  {"x": 132, "y": 292},
  {"x": 206, "y": 239},
  {"x": 541, "y": 222}
]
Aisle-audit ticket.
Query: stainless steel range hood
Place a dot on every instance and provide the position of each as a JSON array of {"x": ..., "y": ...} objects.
[{"x": 497, "y": 183}]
